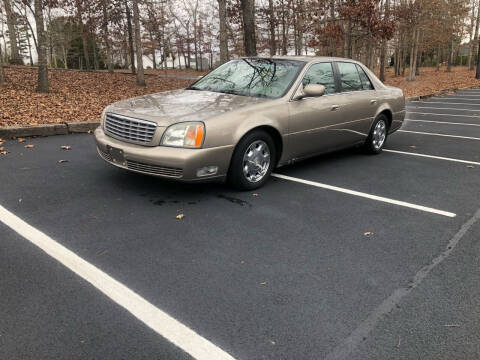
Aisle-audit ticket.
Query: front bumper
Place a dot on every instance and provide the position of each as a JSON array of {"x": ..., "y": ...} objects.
[{"x": 167, "y": 162}]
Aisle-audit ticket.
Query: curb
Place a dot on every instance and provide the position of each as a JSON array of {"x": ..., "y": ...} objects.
[{"x": 48, "y": 129}]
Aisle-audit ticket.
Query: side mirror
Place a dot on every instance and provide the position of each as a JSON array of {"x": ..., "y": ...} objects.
[
  {"x": 310, "y": 90},
  {"x": 314, "y": 90}
]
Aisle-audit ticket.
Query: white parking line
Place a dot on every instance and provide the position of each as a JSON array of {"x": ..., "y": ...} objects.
[
  {"x": 441, "y": 102},
  {"x": 435, "y": 114},
  {"x": 437, "y": 134},
  {"x": 440, "y": 108},
  {"x": 174, "y": 331},
  {"x": 365, "y": 195},
  {"x": 442, "y": 122},
  {"x": 432, "y": 157},
  {"x": 463, "y": 95},
  {"x": 458, "y": 97}
]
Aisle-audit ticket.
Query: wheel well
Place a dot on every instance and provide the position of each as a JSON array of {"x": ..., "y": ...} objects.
[
  {"x": 388, "y": 114},
  {"x": 277, "y": 138}
]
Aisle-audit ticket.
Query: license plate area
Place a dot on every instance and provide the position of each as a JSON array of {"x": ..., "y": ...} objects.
[{"x": 116, "y": 154}]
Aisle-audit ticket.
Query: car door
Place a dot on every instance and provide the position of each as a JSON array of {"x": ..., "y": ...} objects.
[
  {"x": 314, "y": 122},
  {"x": 359, "y": 100}
]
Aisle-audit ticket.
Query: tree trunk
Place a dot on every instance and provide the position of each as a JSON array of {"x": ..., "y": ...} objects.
[
  {"x": 42, "y": 84},
  {"x": 248, "y": 16},
  {"x": 475, "y": 38},
  {"x": 130, "y": 36},
  {"x": 222, "y": 14},
  {"x": 12, "y": 33},
  {"x": 106, "y": 38},
  {"x": 83, "y": 33},
  {"x": 383, "y": 49},
  {"x": 450, "y": 54},
  {"x": 301, "y": 25},
  {"x": 419, "y": 53},
  {"x": 271, "y": 21},
  {"x": 477, "y": 75},
  {"x": 413, "y": 56},
  {"x": 2, "y": 71},
  {"x": 138, "y": 45}
]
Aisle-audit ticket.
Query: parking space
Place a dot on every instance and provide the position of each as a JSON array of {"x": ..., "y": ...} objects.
[{"x": 306, "y": 267}]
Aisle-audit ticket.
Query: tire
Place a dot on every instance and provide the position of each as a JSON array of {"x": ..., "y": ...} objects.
[
  {"x": 378, "y": 135},
  {"x": 253, "y": 161}
]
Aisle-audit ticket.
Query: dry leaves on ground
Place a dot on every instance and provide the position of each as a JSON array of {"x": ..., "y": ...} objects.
[
  {"x": 29, "y": 146},
  {"x": 431, "y": 81},
  {"x": 75, "y": 96},
  {"x": 65, "y": 147},
  {"x": 180, "y": 216}
]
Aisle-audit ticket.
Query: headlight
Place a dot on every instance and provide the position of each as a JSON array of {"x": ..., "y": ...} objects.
[{"x": 187, "y": 134}]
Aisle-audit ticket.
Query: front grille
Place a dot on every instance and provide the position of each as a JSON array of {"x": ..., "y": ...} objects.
[
  {"x": 129, "y": 129},
  {"x": 104, "y": 155},
  {"x": 154, "y": 169}
]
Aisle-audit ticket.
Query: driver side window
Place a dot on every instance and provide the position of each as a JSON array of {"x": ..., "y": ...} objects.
[{"x": 321, "y": 74}]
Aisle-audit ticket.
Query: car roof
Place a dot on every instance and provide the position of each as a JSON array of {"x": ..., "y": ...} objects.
[{"x": 305, "y": 58}]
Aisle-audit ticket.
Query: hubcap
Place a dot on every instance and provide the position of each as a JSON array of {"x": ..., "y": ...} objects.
[
  {"x": 379, "y": 134},
  {"x": 256, "y": 161}
]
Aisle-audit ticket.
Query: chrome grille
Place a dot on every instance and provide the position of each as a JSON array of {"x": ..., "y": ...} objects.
[
  {"x": 154, "y": 169},
  {"x": 129, "y": 129},
  {"x": 104, "y": 155}
]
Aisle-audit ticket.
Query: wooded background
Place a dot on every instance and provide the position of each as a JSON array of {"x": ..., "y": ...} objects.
[{"x": 134, "y": 34}]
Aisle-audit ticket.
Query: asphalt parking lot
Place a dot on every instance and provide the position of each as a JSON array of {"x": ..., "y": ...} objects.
[{"x": 344, "y": 256}]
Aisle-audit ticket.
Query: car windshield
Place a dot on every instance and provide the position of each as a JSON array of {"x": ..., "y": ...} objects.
[{"x": 269, "y": 78}]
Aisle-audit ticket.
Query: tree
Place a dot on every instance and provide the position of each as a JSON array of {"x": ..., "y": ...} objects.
[
  {"x": 130, "y": 36},
  {"x": 477, "y": 75},
  {"x": 12, "y": 33},
  {"x": 222, "y": 15},
  {"x": 42, "y": 83},
  {"x": 2, "y": 71},
  {"x": 248, "y": 15},
  {"x": 271, "y": 23},
  {"x": 138, "y": 45},
  {"x": 106, "y": 37}
]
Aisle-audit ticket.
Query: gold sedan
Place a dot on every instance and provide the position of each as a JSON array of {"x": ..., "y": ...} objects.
[{"x": 249, "y": 116}]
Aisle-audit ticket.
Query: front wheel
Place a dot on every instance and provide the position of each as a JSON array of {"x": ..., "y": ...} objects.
[
  {"x": 378, "y": 135},
  {"x": 252, "y": 161}
]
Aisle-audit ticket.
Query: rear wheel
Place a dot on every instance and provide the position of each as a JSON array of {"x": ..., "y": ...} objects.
[
  {"x": 378, "y": 135},
  {"x": 252, "y": 161}
]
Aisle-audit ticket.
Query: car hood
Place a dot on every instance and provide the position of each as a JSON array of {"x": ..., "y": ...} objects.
[{"x": 174, "y": 106}]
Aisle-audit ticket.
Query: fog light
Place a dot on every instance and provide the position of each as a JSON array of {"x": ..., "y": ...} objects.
[{"x": 207, "y": 171}]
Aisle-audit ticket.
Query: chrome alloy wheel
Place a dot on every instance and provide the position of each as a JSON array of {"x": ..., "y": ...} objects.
[
  {"x": 379, "y": 134},
  {"x": 256, "y": 161}
]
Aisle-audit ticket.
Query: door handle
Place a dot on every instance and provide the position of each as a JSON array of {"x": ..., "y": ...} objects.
[
  {"x": 373, "y": 101},
  {"x": 335, "y": 107}
]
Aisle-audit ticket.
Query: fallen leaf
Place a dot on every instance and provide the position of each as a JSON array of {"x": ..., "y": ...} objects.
[
  {"x": 20, "y": 140},
  {"x": 29, "y": 146},
  {"x": 180, "y": 216},
  {"x": 368, "y": 233},
  {"x": 263, "y": 283},
  {"x": 62, "y": 161},
  {"x": 66, "y": 147}
]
